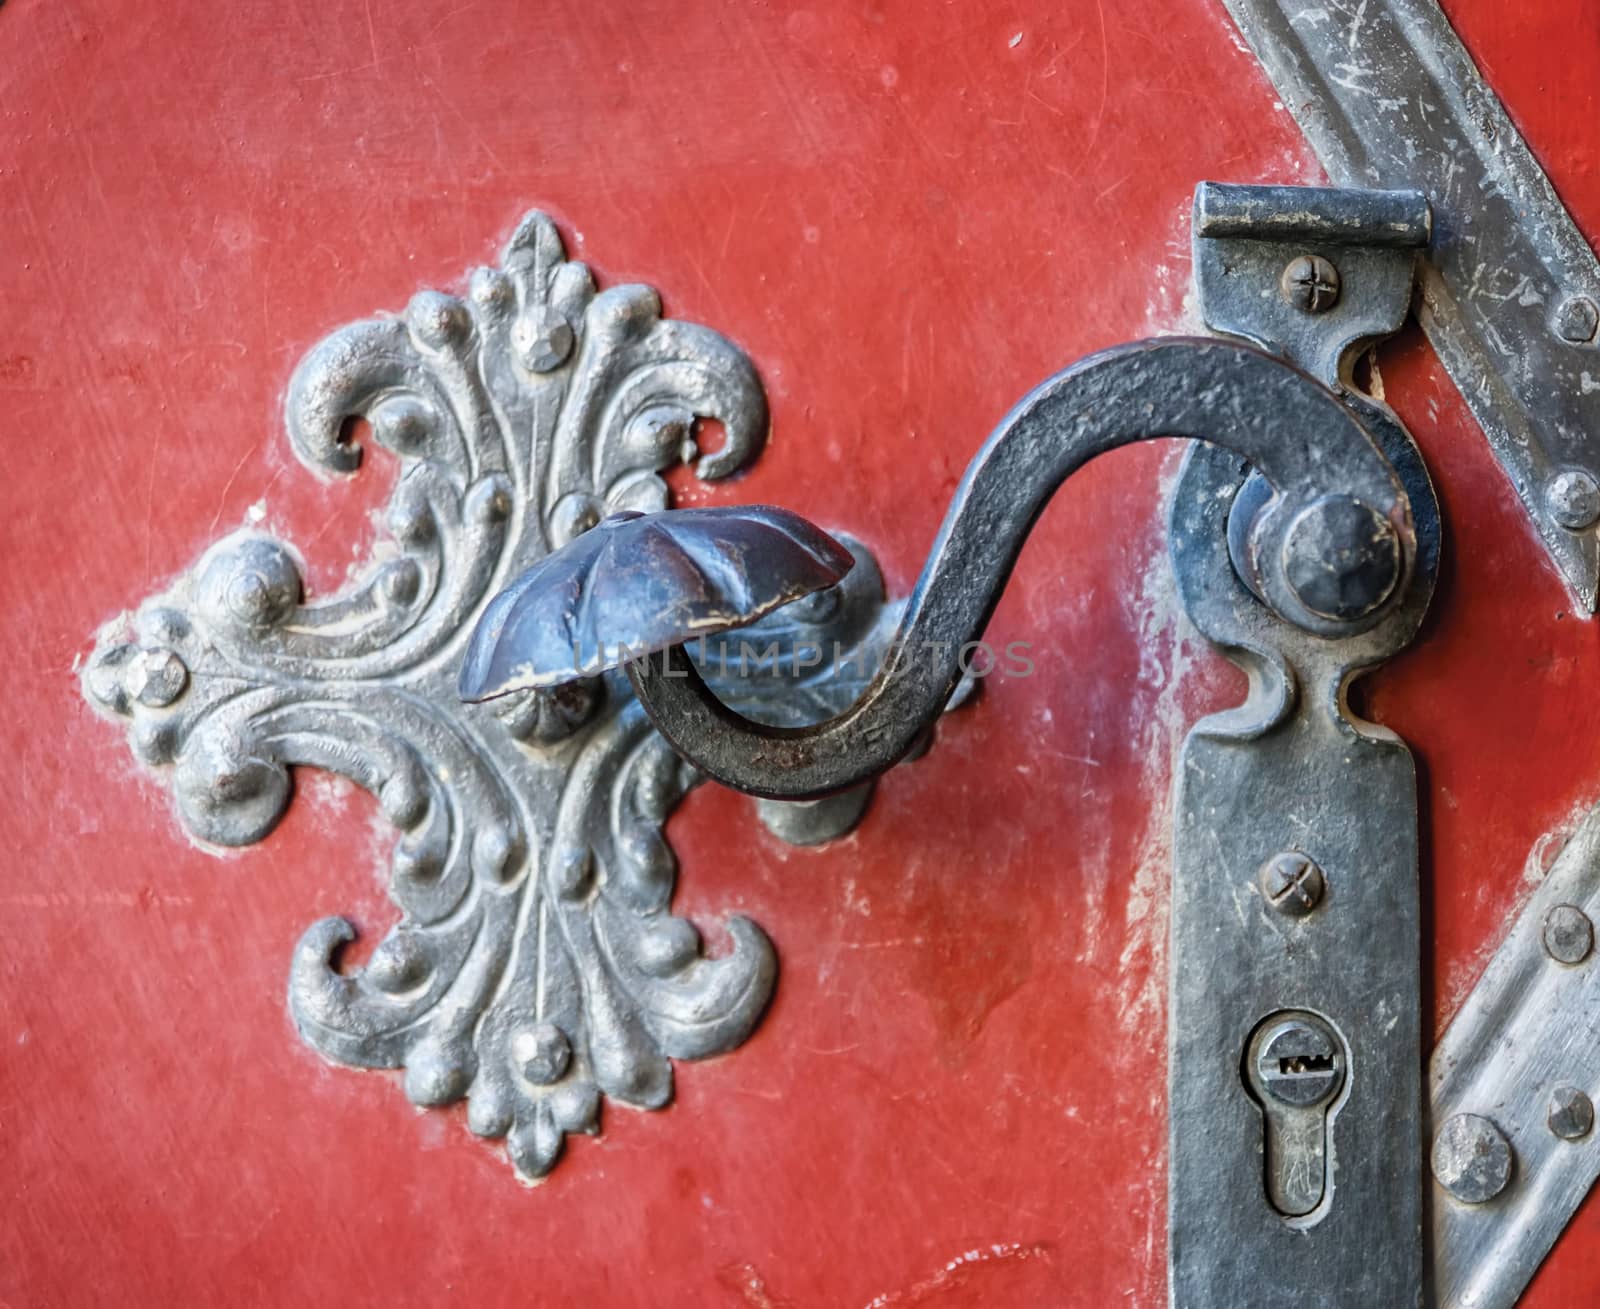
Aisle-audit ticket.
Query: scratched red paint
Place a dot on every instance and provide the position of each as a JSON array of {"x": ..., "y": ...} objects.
[{"x": 907, "y": 215}]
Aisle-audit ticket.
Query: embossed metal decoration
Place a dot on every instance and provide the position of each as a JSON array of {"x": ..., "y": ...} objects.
[{"x": 536, "y": 965}]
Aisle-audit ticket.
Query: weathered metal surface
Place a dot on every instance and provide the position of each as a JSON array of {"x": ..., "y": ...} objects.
[
  {"x": 1321, "y": 1205},
  {"x": 1523, "y": 1054},
  {"x": 536, "y": 964},
  {"x": 1388, "y": 97},
  {"x": 1312, "y": 215},
  {"x": 1256, "y": 407},
  {"x": 1290, "y": 769}
]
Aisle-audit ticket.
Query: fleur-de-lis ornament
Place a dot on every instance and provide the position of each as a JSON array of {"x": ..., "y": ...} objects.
[{"x": 536, "y": 965}]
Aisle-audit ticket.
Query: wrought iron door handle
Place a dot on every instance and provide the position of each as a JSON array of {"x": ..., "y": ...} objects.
[
  {"x": 1329, "y": 552},
  {"x": 1305, "y": 541}
]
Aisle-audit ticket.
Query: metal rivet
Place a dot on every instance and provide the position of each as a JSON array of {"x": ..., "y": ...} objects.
[
  {"x": 1292, "y": 883},
  {"x": 1311, "y": 284},
  {"x": 1568, "y": 934},
  {"x": 1571, "y": 1113},
  {"x": 158, "y": 677},
  {"x": 541, "y": 1053},
  {"x": 1573, "y": 499},
  {"x": 1577, "y": 320},
  {"x": 1341, "y": 557},
  {"x": 543, "y": 340},
  {"x": 1471, "y": 1159}
]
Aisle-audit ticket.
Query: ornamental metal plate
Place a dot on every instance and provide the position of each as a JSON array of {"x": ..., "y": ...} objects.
[{"x": 536, "y": 965}]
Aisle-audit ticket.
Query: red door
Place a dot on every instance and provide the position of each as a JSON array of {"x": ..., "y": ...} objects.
[{"x": 905, "y": 216}]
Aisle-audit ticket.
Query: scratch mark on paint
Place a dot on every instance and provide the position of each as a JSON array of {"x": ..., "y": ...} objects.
[
  {"x": 222, "y": 498},
  {"x": 957, "y": 1272},
  {"x": 1105, "y": 81}
]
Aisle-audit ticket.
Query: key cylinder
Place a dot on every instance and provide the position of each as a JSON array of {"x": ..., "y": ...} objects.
[{"x": 1295, "y": 1068}]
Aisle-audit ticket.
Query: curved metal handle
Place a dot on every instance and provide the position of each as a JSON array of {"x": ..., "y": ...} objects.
[{"x": 1332, "y": 548}]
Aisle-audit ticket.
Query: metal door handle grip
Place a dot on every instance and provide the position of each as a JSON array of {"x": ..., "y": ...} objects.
[{"x": 1337, "y": 500}]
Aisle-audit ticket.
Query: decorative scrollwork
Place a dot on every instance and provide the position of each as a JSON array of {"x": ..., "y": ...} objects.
[{"x": 536, "y": 964}]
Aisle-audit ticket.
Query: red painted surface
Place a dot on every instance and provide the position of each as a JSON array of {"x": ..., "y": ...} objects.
[{"x": 907, "y": 216}]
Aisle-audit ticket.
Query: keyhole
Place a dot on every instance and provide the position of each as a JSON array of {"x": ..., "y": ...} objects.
[{"x": 1294, "y": 1067}]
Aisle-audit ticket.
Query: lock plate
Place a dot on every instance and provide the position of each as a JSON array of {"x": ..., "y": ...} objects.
[
  {"x": 1281, "y": 770},
  {"x": 1295, "y": 897}
]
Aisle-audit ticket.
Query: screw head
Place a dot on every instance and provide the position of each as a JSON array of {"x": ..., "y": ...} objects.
[
  {"x": 1292, "y": 883},
  {"x": 1571, "y": 1113},
  {"x": 1568, "y": 934},
  {"x": 1299, "y": 1062},
  {"x": 1341, "y": 557},
  {"x": 1472, "y": 1159},
  {"x": 1577, "y": 320},
  {"x": 1572, "y": 498},
  {"x": 1310, "y": 284}
]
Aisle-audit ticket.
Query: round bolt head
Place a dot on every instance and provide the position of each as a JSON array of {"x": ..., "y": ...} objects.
[
  {"x": 1341, "y": 557},
  {"x": 1568, "y": 934},
  {"x": 1472, "y": 1159},
  {"x": 1577, "y": 320},
  {"x": 1572, "y": 498},
  {"x": 1571, "y": 1113},
  {"x": 1292, "y": 883},
  {"x": 1311, "y": 284},
  {"x": 1299, "y": 1061}
]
